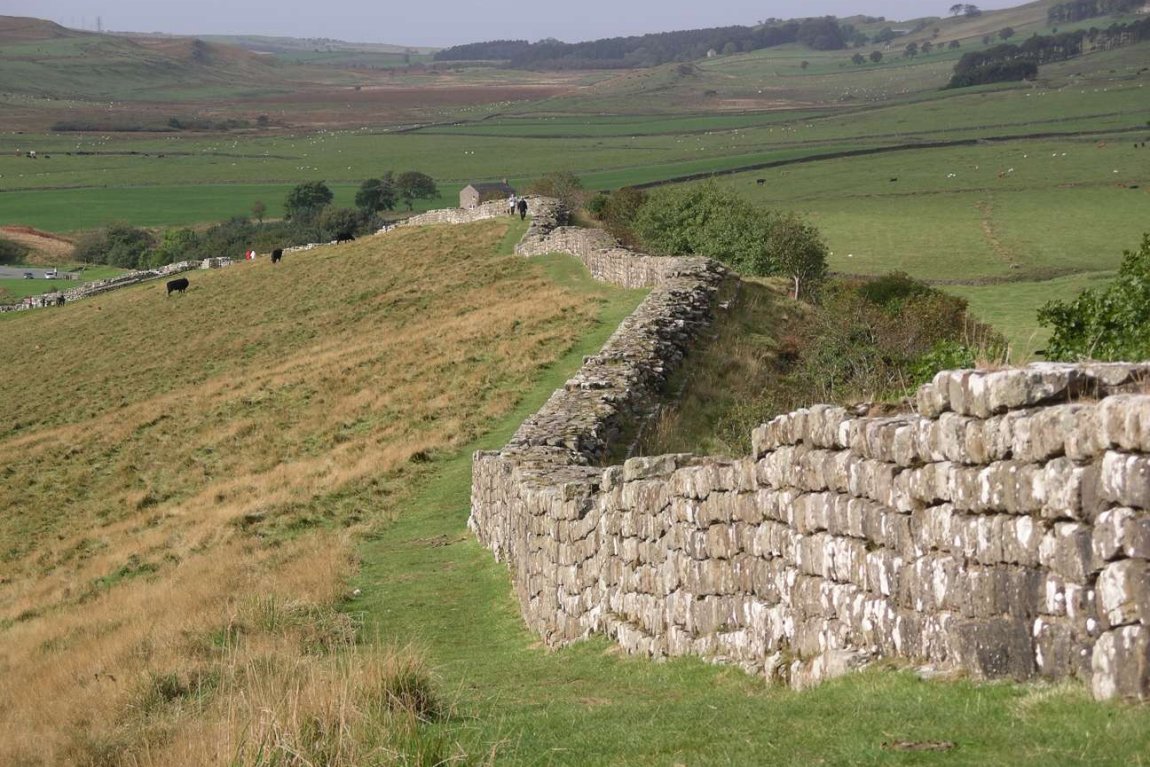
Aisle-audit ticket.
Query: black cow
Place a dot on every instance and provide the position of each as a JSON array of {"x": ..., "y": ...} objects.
[
  {"x": 277, "y": 254},
  {"x": 344, "y": 238},
  {"x": 177, "y": 286},
  {"x": 60, "y": 300},
  {"x": 760, "y": 181}
]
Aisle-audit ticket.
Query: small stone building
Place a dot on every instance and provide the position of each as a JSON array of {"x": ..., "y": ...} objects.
[{"x": 474, "y": 194}]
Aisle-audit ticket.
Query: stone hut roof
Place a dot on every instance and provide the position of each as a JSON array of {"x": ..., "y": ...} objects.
[{"x": 492, "y": 186}]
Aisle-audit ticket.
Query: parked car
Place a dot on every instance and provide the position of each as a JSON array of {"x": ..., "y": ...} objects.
[
  {"x": 28, "y": 275},
  {"x": 51, "y": 274}
]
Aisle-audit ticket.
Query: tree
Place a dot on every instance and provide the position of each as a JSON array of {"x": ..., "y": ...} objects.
[
  {"x": 339, "y": 223},
  {"x": 563, "y": 185},
  {"x": 622, "y": 207},
  {"x": 926, "y": 48},
  {"x": 956, "y": 9},
  {"x": 174, "y": 244},
  {"x": 412, "y": 185},
  {"x": 705, "y": 220},
  {"x": 376, "y": 194},
  {"x": 971, "y": 11},
  {"x": 953, "y": 44},
  {"x": 259, "y": 210},
  {"x": 306, "y": 200},
  {"x": 117, "y": 244},
  {"x": 911, "y": 50},
  {"x": 1111, "y": 323},
  {"x": 1006, "y": 33},
  {"x": 821, "y": 34},
  {"x": 804, "y": 64},
  {"x": 876, "y": 56},
  {"x": 798, "y": 251},
  {"x": 858, "y": 59},
  {"x": 885, "y": 35}
]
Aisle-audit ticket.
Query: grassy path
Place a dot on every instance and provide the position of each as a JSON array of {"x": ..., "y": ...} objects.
[{"x": 427, "y": 583}]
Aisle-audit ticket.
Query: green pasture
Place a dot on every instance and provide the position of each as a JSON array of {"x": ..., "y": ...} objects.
[{"x": 1012, "y": 307}]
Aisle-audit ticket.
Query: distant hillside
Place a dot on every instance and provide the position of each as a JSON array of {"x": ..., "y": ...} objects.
[
  {"x": 288, "y": 45},
  {"x": 816, "y": 33},
  {"x": 15, "y": 29},
  {"x": 42, "y": 59}
]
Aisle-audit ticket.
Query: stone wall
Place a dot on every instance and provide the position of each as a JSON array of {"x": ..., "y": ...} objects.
[{"x": 1002, "y": 528}]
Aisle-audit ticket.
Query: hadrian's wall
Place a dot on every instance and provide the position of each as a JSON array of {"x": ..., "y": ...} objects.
[{"x": 1003, "y": 528}]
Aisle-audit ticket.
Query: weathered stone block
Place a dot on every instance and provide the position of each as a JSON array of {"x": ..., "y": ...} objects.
[
  {"x": 1126, "y": 479},
  {"x": 1066, "y": 550},
  {"x": 995, "y": 648},
  {"x": 1124, "y": 592},
  {"x": 1124, "y": 422},
  {"x": 1121, "y": 664}
]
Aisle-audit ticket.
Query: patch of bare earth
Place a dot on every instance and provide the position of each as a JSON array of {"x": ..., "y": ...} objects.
[{"x": 46, "y": 249}]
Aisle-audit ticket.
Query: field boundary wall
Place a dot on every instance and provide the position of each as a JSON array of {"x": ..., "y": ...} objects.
[{"x": 1001, "y": 529}]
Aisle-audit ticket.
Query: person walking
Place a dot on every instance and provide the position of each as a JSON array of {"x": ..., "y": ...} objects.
[
  {"x": 522, "y": 208},
  {"x": 511, "y": 204}
]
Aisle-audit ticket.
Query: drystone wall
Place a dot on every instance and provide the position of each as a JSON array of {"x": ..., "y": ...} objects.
[
  {"x": 95, "y": 288},
  {"x": 1002, "y": 528}
]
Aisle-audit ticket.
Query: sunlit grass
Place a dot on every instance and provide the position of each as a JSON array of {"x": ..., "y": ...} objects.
[{"x": 175, "y": 469}]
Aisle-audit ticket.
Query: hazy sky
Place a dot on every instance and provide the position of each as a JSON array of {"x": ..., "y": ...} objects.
[{"x": 447, "y": 22}]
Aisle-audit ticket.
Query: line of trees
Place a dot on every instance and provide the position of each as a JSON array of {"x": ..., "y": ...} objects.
[
  {"x": 1077, "y": 10},
  {"x": 1009, "y": 62},
  {"x": 824, "y": 33},
  {"x": 308, "y": 217}
]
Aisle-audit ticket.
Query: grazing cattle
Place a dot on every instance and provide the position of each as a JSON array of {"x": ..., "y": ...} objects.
[
  {"x": 60, "y": 300},
  {"x": 760, "y": 181},
  {"x": 344, "y": 238},
  {"x": 277, "y": 254},
  {"x": 894, "y": 179},
  {"x": 177, "y": 286}
]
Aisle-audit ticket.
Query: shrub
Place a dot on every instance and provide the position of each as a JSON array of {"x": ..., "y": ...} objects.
[
  {"x": 563, "y": 185},
  {"x": 1112, "y": 323},
  {"x": 116, "y": 245},
  {"x": 705, "y": 220}
]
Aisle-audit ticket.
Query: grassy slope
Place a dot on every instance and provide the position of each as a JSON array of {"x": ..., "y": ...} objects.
[{"x": 182, "y": 458}]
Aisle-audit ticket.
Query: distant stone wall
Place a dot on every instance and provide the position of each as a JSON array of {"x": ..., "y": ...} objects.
[{"x": 96, "y": 287}]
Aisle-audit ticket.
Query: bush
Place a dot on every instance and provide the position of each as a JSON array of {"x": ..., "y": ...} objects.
[
  {"x": 873, "y": 339},
  {"x": 622, "y": 207},
  {"x": 563, "y": 185},
  {"x": 116, "y": 245},
  {"x": 305, "y": 201},
  {"x": 1112, "y": 323},
  {"x": 705, "y": 220}
]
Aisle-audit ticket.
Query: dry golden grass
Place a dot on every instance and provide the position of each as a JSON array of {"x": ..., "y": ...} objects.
[{"x": 173, "y": 467}]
